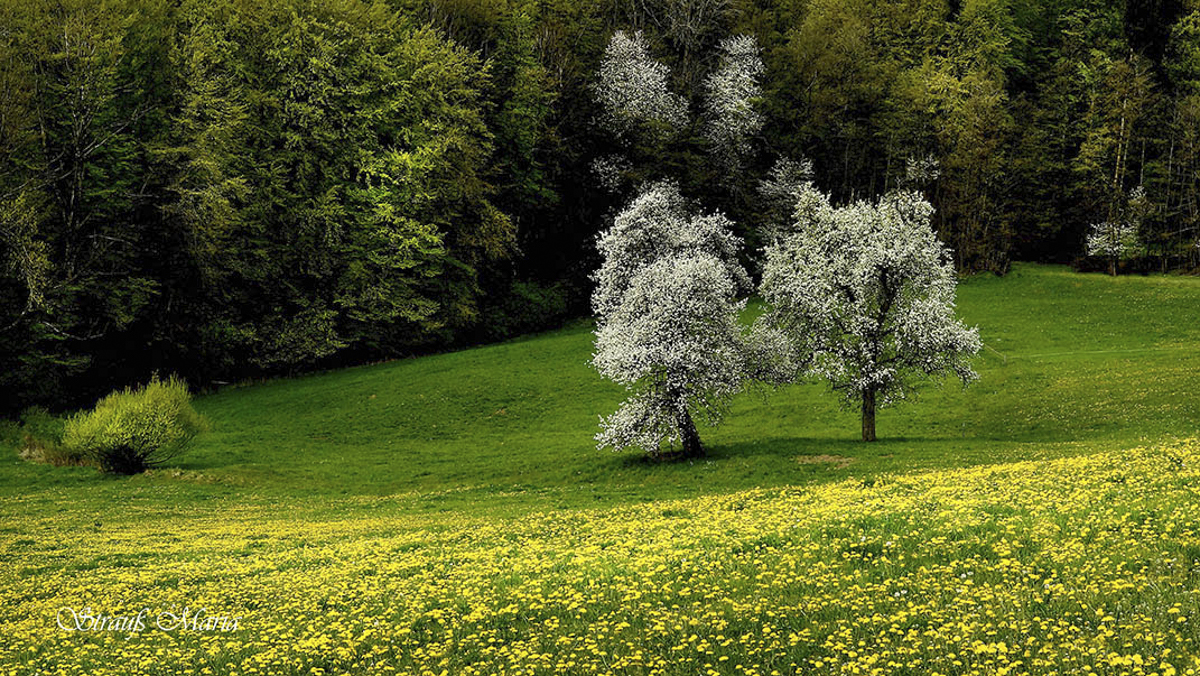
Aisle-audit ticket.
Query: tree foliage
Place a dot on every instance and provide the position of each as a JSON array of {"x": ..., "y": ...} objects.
[
  {"x": 349, "y": 149},
  {"x": 866, "y": 294},
  {"x": 1120, "y": 238},
  {"x": 82, "y": 89},
  {"x": 730, "y": 94},
  {"x": 238, "y": 188},
  {"x": 133, "y": 430},
  {"x": 667, "y": 308},
  {"x": 634, "y": 90}
]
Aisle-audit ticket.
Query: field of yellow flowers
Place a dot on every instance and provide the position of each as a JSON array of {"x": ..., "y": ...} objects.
[{"x": 1081, "y": 565}]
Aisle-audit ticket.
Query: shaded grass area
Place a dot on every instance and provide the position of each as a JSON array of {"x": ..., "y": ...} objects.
[{"x": 1074, "y": 363}]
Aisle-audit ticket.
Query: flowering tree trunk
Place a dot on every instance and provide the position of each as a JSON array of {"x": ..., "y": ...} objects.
[
  {"x": 692, "y": 447},
  {"x": 868, "y": 414}
]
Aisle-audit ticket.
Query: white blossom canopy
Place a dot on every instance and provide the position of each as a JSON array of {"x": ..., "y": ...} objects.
[
  {"x": 676, "y": 342},
  {"x": 611, "y": 171},
  {"x": 659, "y": 223},
  {"x": 633, "y": 90},
  {"x": 667, "y": 308},
  {"x": 866, "y": 292},
  {"x": 1120, "y": 237},
  {"x": 730, "y": 93},
  {"x": 1112, "y": 239},
  {"x": 788, "y": 181}
]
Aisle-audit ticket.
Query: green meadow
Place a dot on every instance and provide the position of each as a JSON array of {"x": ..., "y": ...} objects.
[
  {"x": 1072, "y": 363},
  {"x": 451, "y": 514}
]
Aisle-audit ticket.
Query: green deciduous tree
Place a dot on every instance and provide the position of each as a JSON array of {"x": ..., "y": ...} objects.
[
  {"x": 333, "y": 187},
  {"x": 80, "y": 100}
]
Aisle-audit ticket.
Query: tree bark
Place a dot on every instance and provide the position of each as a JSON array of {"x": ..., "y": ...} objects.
[
  {"x": 1112, "y": 266},
  {"x": 868, "y": 414},
  {"x": 692, "y": 447}
]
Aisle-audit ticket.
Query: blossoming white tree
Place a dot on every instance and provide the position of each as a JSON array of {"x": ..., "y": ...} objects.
[
  {"x": 730, "y": 93},
  {"x": 1119, "y": 238},
  {"x": 633, "y": 90},
  {"x": 667, "y": 306},
  {"x": 866, "y": 293},
  {"x": 611, "y": 171},
  {"x": 1114, "y": 240},
  {"x": 921, "y": 171},
  {"x": 784, "y": 190}
]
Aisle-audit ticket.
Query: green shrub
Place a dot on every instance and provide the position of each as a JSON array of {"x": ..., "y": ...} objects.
[{"x": 132, "y": 430}]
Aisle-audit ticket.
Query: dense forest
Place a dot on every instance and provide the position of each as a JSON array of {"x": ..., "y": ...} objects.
[{"x": 233, "y": 188}]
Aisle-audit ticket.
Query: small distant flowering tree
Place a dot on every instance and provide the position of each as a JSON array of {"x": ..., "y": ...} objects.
[
  {"x": 921, "y": 171},
  {"x": 866, "y": 294},
  {"x": 1114, "y": 240},
  {"x": 667, "y": 306},
  {"x": 786, "y": 188},
  {"x": 1119, "y": 238},
  {"x": 611, "y": 171},
  {"x": 730, "y": 93},
  {"x": 633, "y": 90}
]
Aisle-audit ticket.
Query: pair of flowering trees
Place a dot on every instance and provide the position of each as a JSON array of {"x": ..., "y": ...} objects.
[
  {"x": 638, "y": 105},
  {"x": 861, "y": 296}
]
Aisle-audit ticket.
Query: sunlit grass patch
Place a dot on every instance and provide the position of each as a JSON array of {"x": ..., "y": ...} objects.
[{"x": 1060, "y": 566}]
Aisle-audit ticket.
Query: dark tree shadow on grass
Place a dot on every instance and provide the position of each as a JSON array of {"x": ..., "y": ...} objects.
[{"x": 786, "y": 461}]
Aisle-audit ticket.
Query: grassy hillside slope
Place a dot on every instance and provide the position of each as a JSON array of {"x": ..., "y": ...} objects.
[
  {"x": 1073, "y": 363},
  {"x": 450, "y": 514}
]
